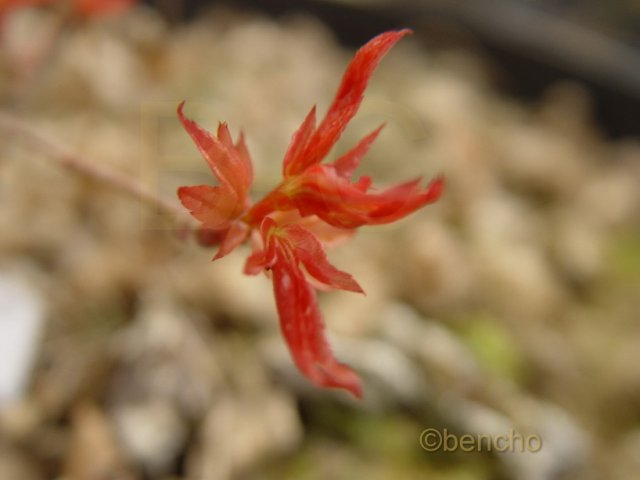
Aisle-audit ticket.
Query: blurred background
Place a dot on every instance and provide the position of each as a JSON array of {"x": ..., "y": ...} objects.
[{"x": 511, "y": 305}]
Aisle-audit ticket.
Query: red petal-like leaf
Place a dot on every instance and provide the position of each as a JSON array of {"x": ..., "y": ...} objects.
[
  {"x": 231, "y": 166},
  {"x": 347, "y": 163},
  {"x": 267, "y": 227},
  {"x": 328, "y": 235},
  {"x": 308, "y": 249},
  {"x": 266, "y": 257},
  {"x": 213, "y": 206},
  {"x": 320, "y": 191},
  {"x": 363, "y": 183},
  {"x": 257, "y": 262},
  {"x": 410, "y": 203},
  {"x": 245, "y": 158},
  {"x": 243, "y": 169},
  {"x": 237, "y": 233},
  {"x": 345, "y": 104},
  {"x": 299, "y": 142},
  {"x": 302, "y": 326}
]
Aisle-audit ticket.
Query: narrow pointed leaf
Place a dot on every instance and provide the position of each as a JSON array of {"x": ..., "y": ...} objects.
[
  {"x": 299, "y": 142},
  {"x": 347, "y": 163},
  {"x": 243, "y": 169},
  {"x": 303, "y": 328},
  {"x": 309, "y": 250},
  {"x": 363, "y": 183},
  {"x": 346, "y": 102},
  {"x": 237, "y": 233},
  {"x": 413, "y": 202},
  {"x": 245, "y": 158},
  {"x": 321, "y": 192}
]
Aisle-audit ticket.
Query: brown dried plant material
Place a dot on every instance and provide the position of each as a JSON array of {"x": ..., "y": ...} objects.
[{"x": 94, "y": 453}]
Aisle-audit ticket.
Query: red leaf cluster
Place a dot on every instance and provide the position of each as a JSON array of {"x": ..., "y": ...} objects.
[{"x": 314, "y": 205}]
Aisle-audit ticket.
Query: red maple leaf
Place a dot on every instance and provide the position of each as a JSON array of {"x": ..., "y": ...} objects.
[{"x": 314, "y": 205}]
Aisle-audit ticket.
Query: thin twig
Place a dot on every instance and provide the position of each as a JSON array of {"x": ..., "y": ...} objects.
[{"x": 15, "y": 128}]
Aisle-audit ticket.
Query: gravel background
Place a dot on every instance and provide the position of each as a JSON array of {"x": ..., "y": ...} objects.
[{"x": 511, "y": 305}]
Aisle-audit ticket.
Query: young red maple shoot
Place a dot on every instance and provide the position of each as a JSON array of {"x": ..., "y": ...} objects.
[{"x": 314, "y": 205}]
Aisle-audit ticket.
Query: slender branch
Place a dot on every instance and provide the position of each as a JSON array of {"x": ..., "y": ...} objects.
[{"x": 15, "y": 128}]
